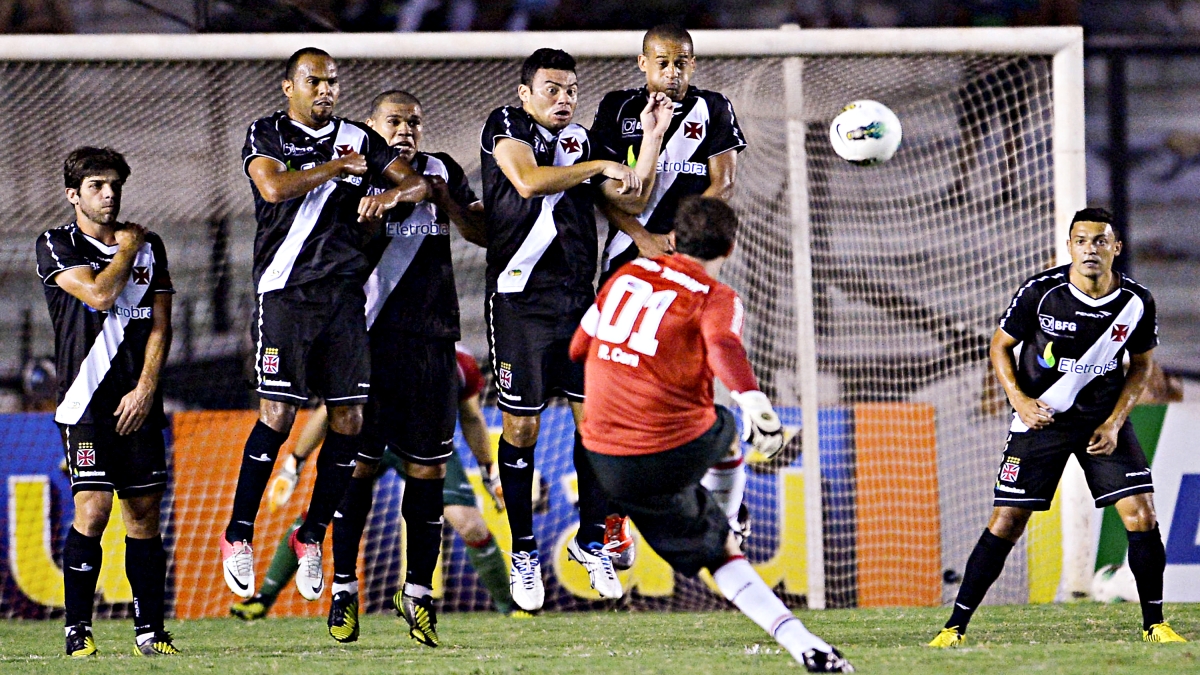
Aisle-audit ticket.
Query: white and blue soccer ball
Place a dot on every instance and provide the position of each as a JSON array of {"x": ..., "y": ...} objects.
[
  {"x": 865, "y": 133},
  {"x": 1114, "y": 583}
]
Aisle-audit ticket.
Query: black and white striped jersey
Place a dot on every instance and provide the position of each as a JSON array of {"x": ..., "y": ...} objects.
[
  {"x": 704, "y": 126},
  {"x": 411, "y": 287},
  {"x": 317, "y": 235},
  {"x": 99, "y": 354},
  {"x": 1072, "y": 345},
  {"x": 543, "y": 242}
]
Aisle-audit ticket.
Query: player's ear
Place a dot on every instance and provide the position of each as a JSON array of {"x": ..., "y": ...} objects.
[
  {"x": 524, "y": 92},
  {"x": 286, "y": 85},
  {"x": 72, "y": 196},
  {"x": 642, "y": 62},
  {"x": 1117, "y": 247}
]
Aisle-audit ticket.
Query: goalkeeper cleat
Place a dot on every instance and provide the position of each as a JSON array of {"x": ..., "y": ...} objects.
[
  {"x": 80, "y": 642},
  {"x": 157, "y": 643},
  {"x": 817, "y": 661},
  {"x": 949, "y": 638},
  {"x": 343, "y": 617},
  {"x": 1162, "y": 632},
  {"x": 237, "y": 559},
  {"x": 525, "y": 581},
  {"x": 420, "y": 615},
  {"x": 250, "y": 610},
  {"x": 741, "y": 526},
  {"x": 617, "y": 535},
  {"x": 598, "y": 561},
  {"x": 310, "y": 578}
]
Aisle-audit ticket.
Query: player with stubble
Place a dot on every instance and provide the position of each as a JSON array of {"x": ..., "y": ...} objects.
[
  {"x": 539, "y": 190},
  {"x": 109, "y": 293},
  {"x": 1058, "y": 353},
  {"x": 309, "y": 173},
  {"x": 698, "y": 157}
]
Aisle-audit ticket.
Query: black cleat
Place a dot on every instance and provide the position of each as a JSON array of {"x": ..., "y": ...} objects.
[
  {"x": 343, "y": 617},
  {"x": 817, "y": 661},
  {"x": 80, "y": 642},
  {"x": 159, "y": 645},
  {"x": 420, "y": 615}
]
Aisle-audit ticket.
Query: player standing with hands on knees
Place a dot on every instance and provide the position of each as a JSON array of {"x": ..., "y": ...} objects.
[
  {"x": 1058, "y": 354},
  {"x": 539, "y": 189},
  {"x": 659, "y": 332},
  {"x": 309, "y": 172}
]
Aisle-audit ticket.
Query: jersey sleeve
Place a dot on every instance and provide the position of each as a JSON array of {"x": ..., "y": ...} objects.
[
  {"x": 470, "y": 375},
  {"x": 1145, "y": 335},
  {"x": 605, "y": 135},
  {"x": 1020, "y": 319},
  {"x": 460, "y": 187},
  {"x": 56, "y": 253},
  {"x": 724, "y": 133},
  {"x": 502, "y": 123},
  {"x": 161, "y": 281},
  {"x": 262, "y": 140},
  {"x": 721, "y": 327},
  {"x": 378, "y": 153}
]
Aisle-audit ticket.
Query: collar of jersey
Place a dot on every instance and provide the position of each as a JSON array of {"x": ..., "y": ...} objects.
[
  {"x": 315, "y": 133},
  {"x": 545, "y": 133},
  {"x": 1089, "y": 300},
  {"x": 104, "y": 248}
]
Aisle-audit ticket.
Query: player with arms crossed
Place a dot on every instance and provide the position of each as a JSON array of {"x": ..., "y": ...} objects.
[
  {"x": 699, "y": 157},
  {"x": 538, "y": 192},
  {"x": 1071, "y": 327},
  {"x": 109, "y": 294},
  {"x": 660, "y": 330},
  {"x": 309, "y": 172}
]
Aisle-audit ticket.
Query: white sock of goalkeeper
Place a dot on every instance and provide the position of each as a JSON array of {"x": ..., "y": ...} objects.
[
  {"x": 726, "y": 480},
  {"x": 742, "y": 586}
]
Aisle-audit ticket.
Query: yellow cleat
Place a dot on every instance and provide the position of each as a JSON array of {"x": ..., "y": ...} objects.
[
  {"x": 1161, "y": 632},
  {"x": 519, "y": 614},
  {"x": 250, "y": 610},
  {"x": 420, "y": 615},
  {"x": 158, "y": 645},
  {"x": 343, "y": 617},
  {"x": 80, "y": 642},
  {"x": 949, "y": 638}
]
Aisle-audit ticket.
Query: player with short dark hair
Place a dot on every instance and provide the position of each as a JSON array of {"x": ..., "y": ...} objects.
[
  {"x": 699, "y": 157},
  {"x": 659, "y": 331},
  {"x": 1058, "y": 353},
  {"x": 539, "y": 189},
  {"x": 109, "y": 291},
  {"x": 309, "y": 172}
]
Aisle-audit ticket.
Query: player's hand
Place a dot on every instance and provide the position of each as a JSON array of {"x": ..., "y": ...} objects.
[
  {"x": 656, "y": 116},
  {"x": 490, "y": 473},
  {"x": 353, "y": 164},
  {"x": 1104, "y": 439},
  {"x": 1033, "y": 413},
  {"x": 652, "y": 245},
  {"x": 284, "y": 482},
  {"x": 439, "y": 191},
  {"x": 133, "y": 409},
  {"x": 629, "y": 181},
  {"x": 373, "y": 207},
  {"x": 130, "y": 235},
  {"x": 761, "y": 427}
]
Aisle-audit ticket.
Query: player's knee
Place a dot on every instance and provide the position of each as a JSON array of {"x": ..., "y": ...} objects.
[
  {"x": 1137, "y": 513},
  {"x": 1008, "y": 523},
  {"x": 346, "y": 419},
  {"x": 425, "y": 471},
  {"x": 92, "y": 511},
  {"x": 521, "y": 431},
  {"x": 276, "y": 414},
  {"x": 141, "y": 515},
  {"x": 365, "y": 468},
  {"x": 468, "y": 523}
]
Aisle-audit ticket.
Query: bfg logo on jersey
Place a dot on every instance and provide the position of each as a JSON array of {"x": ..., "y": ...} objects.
[
  {"x": 1053, "y": 325},
  {"x": 630, "y": 126}
]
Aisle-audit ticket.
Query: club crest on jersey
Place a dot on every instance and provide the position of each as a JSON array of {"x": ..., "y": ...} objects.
[
  {"x": 693, "y": 130},
  {"x": 85, "y": 455},
  {"x": 504, "y": 374},
  {"x": 570, "y": 145},
  {"x": 141, "y": 275},
  {"x": 1120, "y": 332},
  {"x": 343, "y": 150},
  {"x": 1009, "y": 470},
  {"x": 270, "y": 361}
]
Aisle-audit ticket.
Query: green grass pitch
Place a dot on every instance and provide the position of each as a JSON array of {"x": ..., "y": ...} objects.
[{"x": 1079, "y": 638}]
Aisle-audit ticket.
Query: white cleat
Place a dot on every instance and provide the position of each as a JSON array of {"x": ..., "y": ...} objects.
[
  {"x": 237, "y": 560},
  {"x": 525, "y": 581},
  {"x": 598, "y": 561},
  {"x": 310, "y": 578}
]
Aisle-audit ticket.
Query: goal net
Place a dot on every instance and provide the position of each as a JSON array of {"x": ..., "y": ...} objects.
[{"x": 870, "y": 293}]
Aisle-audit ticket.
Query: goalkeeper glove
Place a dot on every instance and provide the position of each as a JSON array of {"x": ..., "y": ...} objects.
[
  {"x": 491, "y": 482},
  {"x": 284, "y": 483},
  {"x": 761, "y": 427}
]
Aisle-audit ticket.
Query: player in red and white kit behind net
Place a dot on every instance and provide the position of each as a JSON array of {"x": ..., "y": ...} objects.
[{"x": 659, "y": 331}]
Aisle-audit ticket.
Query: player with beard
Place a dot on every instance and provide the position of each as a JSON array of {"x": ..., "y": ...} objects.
[
  {"x": 539, "y": 189},
  {"x": 309, "y": 173},
  {"x": 699, "y": 157}
]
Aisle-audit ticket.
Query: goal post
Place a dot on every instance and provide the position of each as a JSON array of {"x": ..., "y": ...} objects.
[{"x": 870, "y": 293}]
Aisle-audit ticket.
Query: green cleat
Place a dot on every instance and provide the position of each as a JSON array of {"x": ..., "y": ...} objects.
[
  {"x": 250, "y": 610},
  {"x": 949, "y": 638},
  {"x": 1162, "y": 632},
  {"x": 343, "y": 617},
  {"x": 420, "y": 615},
  {"x": 80, "y": 642},
  {"x": 158, "y": 645}
]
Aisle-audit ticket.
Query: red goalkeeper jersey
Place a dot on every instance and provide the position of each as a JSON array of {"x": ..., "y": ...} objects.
[{"x": 659, "y": 331}]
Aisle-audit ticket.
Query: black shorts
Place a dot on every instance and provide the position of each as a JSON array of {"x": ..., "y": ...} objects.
[
  {"x": 661, "y": 492},
  {"x": 414, "y": 398},
  {"x": 1034, "y": 461},
  {"x": 101, "y": 460},
  {"x": 529, "y": 336},
  {"x": 312, "y": 338}
]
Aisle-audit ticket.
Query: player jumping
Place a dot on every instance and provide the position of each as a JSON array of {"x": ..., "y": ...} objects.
[
  {"x": 109, "y": 294},
  {"x": 1071, "y": 327},
  {"x": 659, "y": 331}
]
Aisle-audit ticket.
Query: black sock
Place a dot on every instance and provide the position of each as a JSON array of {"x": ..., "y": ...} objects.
[
  {"x": 335, "y": 466},
  {"x": 593, "y": 504},
  {"x": 81, "y": 568},
  {"x": 146, "y": 567},
  {"x": 348, "y": 525},
  {"x": 516, "y": 477},
  {"x": 1147, "y": 561},
  {"x": 422, "y": 512},
  {"x": 983, "y": 568},
  {"x": 258, "y": 460}
]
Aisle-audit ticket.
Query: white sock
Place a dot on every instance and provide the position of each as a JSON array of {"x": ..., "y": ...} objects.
[
  {"x": 742, "y": 586},
  {"x": 727, "y": 483},
  {"x": 417, "y": 591},
  {"x": 351, "y": 588}
]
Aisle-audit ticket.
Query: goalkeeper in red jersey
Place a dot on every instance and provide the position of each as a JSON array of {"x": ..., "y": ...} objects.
[{"x": 659, "y": 331}]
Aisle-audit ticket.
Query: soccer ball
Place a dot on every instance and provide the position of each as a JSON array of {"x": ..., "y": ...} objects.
[
  {"x": 865, "y": 133},
  {"x": 1114, "y": 583}
]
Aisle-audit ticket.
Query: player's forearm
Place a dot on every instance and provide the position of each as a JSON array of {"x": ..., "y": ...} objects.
[
  {"x": 727, "y": 359},
  {"x": 280, "y": 186},
  {"x": 107, "y": 286},
  {"x": 540, "y": 181},
  {"x": 722, "y": 173},
  {"x": 158, "y": 345},
  {"x": 647, "y": 171},
  {"x": 470, "y": 224},
  {"x": 1004, "y": 365},
  {"x": 312, "y": 434},
  {"x": 1135, "y": 383},
  {"x": 475, "y": 433},
  {"x": 623, "y": 221}
]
